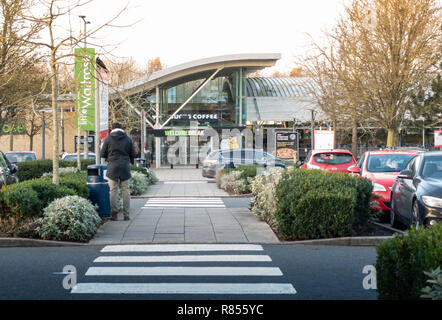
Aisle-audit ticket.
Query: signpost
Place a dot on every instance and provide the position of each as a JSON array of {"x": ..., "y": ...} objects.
[
  {"x": 84, "y": 74},
  {"x": 324, "y": 139},
  {"x": 286, "y": 145}
]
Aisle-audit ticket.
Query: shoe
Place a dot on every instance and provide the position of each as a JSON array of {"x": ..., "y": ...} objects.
[
  {"x": 114, "y": 217},
  {"x": 126, "y": 218}
]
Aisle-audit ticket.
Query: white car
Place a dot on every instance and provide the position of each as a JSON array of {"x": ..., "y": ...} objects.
[{"x": 73, "y": 156}]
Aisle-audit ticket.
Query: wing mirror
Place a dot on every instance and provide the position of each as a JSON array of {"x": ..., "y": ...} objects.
[
  {"x": 405, "y": 174},
  {"x": 354, "y": 169},
  {"x": 13, "y": 169}
]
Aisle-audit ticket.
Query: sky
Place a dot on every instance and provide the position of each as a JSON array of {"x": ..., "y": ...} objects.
[{"x": 180, "y": 31}]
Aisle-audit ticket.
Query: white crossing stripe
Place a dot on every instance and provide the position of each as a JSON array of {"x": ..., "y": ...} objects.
[
  {"x": 230, "y": 287},
  {"x": 184, "y": 288},
  {"x": 183, "y": 271},
  {"x": 186, "y": 258},
  {"x": 185, "y": 202},
  {"x": 181, "y": 247}
]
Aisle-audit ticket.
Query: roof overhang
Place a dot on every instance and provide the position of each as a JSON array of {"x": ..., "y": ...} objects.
[{"x": 199, "y": 69}]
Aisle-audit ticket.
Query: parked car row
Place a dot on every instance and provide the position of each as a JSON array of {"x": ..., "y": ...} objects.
[{"x": 407, "y": 182}]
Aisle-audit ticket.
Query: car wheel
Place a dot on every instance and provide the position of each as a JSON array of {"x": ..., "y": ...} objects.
[
  {"x": 393, "y": 218},
  {"x": 415, "y": 217}
]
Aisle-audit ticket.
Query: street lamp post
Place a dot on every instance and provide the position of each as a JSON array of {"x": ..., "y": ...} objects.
[{"x": 86, "y": 135}]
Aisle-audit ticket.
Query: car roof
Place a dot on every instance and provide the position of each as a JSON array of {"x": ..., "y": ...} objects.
[
  {"x": 432, "y": 154},
  {"x": 331, "y": 151},
  {"x": 9, "y": 152},
  {"x": 395, "y": 152}
]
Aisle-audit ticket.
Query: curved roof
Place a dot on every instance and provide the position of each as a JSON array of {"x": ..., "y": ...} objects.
[
  {"x": 199, "y": 69},
  {"x": 279, "y": 87}
]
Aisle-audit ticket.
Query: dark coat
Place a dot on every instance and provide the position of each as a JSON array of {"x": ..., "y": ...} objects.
[{"x": 118, "y": 150}]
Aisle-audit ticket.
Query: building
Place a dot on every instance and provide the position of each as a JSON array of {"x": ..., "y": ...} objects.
[{"x": 213, "y": 94}]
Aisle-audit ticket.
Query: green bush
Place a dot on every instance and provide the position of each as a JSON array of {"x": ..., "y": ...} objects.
[
  {"x": 151, "y": 178},
  {"x": 434, "y": 290},
  {"x": 319, "y": 215},
  {"x": 295, "y": 185},
  {"x": 402, "y": 261},
  {"x": 28, "y": 198},
  {"x": 263, "y": 190},
  {"x": 138, "y": 183},
  {"x": 70, "y": 218},
  {"x": 35, "y": 169}
]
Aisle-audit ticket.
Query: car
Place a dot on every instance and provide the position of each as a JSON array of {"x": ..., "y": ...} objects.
[
  {"x": 73, "y": 156},
  {"x": 20, "y": 156},
  {"x": 218, "y": 159},
  {"x": 382, "y": 167},
  {"x": 7, "y": 171},
  {"x": 333, "y": 160},
  {"x": 416, "y": 198}
]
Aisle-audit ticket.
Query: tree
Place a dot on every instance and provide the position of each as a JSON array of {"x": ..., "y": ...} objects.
[
  {"x": 381, "y": 51},
  {"x": 58, "y": 50}
]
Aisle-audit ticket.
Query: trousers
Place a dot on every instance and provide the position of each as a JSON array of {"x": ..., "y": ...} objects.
[{"x": 113, "y": 195}]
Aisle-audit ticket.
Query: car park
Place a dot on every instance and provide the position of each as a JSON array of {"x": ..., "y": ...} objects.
[
  {"x": 382, "y": 167},
  {"x": 74, "y": 156},
  {"x": 218, "y": 159},
  {"x": 20, "y": 156},
  {"x": 417, "y": 192},
  {"x": 333, "y": 160},
  {"x": 7, "y": 171}
]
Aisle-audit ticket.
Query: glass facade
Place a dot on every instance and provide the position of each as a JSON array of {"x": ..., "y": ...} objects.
[{"x": 220, "y": 103}]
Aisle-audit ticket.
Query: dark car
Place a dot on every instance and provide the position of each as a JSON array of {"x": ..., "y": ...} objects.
[
  {"x": 417, "y": 192},
  {"x": 220, "y": 158},
  {"x": 7, "y": 171},
  {"x": 20, "y": 156}
]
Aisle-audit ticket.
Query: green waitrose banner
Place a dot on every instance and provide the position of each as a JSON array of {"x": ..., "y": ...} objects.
[{"x": 85, "y": 80}]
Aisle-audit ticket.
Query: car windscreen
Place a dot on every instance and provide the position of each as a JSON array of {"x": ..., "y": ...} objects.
[
  {"x": 333, "y": 158},
  {"x": 432, "y": 168},
  {"x": 20, "y": 157},
  {"x": 388, "y": 162},
  {"x": 73, "y": 157}
]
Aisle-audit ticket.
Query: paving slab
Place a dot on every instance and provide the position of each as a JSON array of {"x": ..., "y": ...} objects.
[{"x": 177, "y": 224}]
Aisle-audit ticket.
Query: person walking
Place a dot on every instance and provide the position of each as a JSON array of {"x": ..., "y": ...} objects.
[{"x": 119, "y": 151}]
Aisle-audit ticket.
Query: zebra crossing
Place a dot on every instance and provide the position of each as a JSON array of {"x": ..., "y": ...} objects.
[
  {"x": 184, "y": 203},
  {"x": 167, "y": 259}
]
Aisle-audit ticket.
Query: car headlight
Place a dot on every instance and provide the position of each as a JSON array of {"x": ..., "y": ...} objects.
[
  {"x": 312, "y": 166},
  {"x": 378, "y": 187},
  {"x": 432, "y": 201}
]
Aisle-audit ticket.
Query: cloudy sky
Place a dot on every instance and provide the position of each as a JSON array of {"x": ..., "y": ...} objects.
[{"x": 179, "y": 31}]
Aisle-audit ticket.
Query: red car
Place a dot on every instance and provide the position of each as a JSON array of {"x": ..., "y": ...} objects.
[
  {"x": 334, "y": 160},
  {"x": 382, "y": 167}
]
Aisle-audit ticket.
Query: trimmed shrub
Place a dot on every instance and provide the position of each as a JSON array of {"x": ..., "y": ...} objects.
[
  {"x": 61, "y": 171},
  {"x": 434, "y": 290},
  {"x": 297, "y": 184},
  {"x": 263, "y": 190},
  {"x": 319, "y": 215},
  {"x": 151, "y": 178},
  {"x": 138, "y": 183},
  {"x": 35, "y": 169},
  {"x": 70, "y": 218},
  {"x": 29, "y": 198},
  {"x": 402, "y": 261},
  {"x": 234, "y": 183}
]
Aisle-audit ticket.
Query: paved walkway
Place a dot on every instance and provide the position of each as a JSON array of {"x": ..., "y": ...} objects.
[
  {"x": 184, "y": 207},
  {"x": 185, "y": 225}
]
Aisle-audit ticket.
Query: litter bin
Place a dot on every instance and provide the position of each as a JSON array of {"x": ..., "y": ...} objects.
[
  {"x": 99, "y": 188},
  {"x": 140, "y": 162}
]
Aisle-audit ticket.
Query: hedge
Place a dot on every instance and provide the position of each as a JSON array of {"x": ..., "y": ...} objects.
[
  {"x": 335, "y": 197},
  {"x": 402, "y": 261},
  {"x": 28, "y": 198},
  {"x": 35, "y": 169}
]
